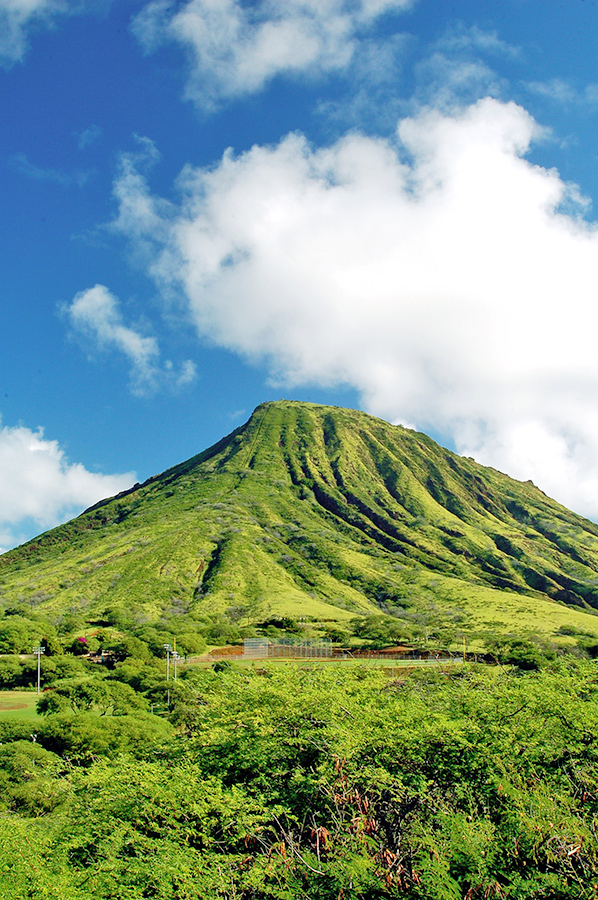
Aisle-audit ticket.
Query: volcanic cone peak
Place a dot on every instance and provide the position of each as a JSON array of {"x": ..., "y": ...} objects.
[{"x": 325, "y": 513}]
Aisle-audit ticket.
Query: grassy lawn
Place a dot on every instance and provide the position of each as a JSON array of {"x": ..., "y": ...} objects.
[
  {"x": 390, "y": 666},
  {"x": 18, "y": 705}
]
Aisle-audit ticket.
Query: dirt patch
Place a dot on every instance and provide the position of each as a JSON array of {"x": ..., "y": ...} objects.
[{"x": 5, "y": 706}]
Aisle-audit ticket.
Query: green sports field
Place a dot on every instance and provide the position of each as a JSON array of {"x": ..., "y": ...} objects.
[{"x": 18, "y": 705}]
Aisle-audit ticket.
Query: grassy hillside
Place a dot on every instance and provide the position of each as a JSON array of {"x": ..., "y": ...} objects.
[{"x": 314, "y": 511}]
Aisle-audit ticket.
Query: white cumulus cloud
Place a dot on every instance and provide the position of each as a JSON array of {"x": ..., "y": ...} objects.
[
  {"x": 39, "y": 485},
  {"x": 443, "y": 275},
  {"x": 96, "y": 314},
  {"x": 236, "y": 48}
]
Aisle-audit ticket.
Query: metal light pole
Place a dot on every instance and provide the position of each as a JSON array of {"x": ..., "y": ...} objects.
[
  {"x": 175, "y": 657},
  {"x": 38, "y": 652},
  {"x": 168, "y": 648}
]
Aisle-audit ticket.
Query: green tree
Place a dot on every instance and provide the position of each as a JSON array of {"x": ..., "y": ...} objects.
[
  {"x": 17, "y": 635},
  {"x": 51, "y": 645},
  {"x": 30, "y": 778},
  {"x": 85, "y": 735},
  {"x": 103, "y": 696}
]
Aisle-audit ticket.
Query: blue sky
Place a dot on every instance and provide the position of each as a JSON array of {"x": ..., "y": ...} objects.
[{"x": 383, "y": 204}]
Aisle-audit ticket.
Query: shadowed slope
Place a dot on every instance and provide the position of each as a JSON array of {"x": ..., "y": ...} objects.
[{"x": 317, "y": 511}]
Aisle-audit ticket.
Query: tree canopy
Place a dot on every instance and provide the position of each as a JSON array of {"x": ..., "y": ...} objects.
[{"x": 311, "y": 782}]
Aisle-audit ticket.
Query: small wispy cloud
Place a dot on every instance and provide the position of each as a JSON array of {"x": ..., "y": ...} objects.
[
  {"x": 88, "y": 137},
  {"x": 371, "y": 100},
  {"x": 16, "y": 19},
  {"x": 474, "y": 38},
  {"x": 138, "y": 211},
  {"x": 96, "y": 315},
  {"x": 22, "y": 164},
  {"x": 447, "y": 81},
  {"x": 563, "y": 93},
  {"x": 236, "y": 48},
  {"x": 19, "y": 17},
  {"x": 460, "y": 68}
]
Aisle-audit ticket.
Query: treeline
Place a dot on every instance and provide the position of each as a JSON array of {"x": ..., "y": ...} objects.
[
  {"x": 126, "y": 634},
  {"x": 309, "y": 781}
]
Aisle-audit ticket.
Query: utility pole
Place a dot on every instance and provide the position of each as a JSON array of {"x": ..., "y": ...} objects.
[
  {"x": 168, "y": 648},
  {"x": 38, "y": 652}
]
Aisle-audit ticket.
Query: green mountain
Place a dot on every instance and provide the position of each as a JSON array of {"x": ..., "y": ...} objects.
[{"x": 322, "y": 513}]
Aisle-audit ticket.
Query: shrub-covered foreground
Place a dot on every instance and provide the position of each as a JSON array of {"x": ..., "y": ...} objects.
[{"x": 310, "y": 782}]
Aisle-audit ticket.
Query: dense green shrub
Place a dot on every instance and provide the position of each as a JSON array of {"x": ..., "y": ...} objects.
[
  {"x": 310, "y": 782},
  {"x": 380, "y": 631}
]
